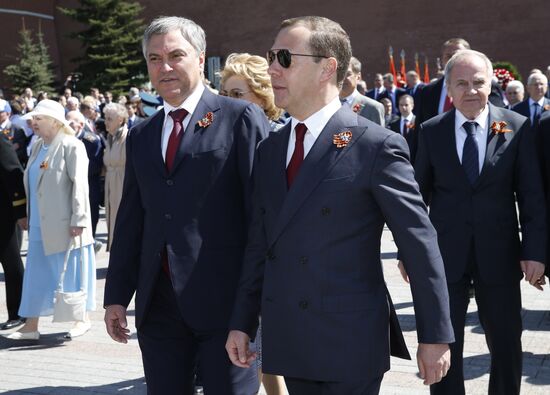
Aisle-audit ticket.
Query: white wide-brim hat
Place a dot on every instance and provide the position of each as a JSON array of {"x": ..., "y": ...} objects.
[{"x": 49, "y": 108}]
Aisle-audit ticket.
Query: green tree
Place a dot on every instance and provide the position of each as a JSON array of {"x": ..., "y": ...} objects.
[
  {"x": 111, "y": 40},
  {"x": 33, "y": 65}
]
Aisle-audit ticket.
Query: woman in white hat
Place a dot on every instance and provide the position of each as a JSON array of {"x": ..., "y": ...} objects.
[{"x": 56, "y": 182}]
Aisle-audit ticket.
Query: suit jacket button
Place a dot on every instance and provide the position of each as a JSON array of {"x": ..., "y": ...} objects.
[
  {"x": 168, "y": 216},
  {"x": 303, "y": 260},
  {"x": 270, "y": 255},
  {"x": 169, "y": 182},
  {"x": 325, "y": 211},
  {"x": 303, "y": 304}
]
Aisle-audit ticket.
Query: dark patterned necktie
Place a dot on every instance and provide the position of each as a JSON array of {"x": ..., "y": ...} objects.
[{"x": 470, "y": 153}]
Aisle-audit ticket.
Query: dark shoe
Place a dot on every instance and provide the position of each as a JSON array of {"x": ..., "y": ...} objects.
[{"x": 11, "y": 324}]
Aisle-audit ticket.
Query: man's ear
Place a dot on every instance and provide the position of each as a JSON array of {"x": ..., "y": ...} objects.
[{"x": 329, "y": 69}]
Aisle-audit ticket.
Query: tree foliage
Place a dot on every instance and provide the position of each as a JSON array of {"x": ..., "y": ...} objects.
[
  {"x": 112, "y": 58},
  {"x": 33, "y": 65}
]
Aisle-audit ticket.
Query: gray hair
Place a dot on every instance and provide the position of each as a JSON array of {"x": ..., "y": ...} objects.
[
  {"x": 192, "y": 32},
  {"x": 73, "y": 100},
  {"x": 117, "y": 109},
  {"x": 467, "y": 53},
  {"x": 537, "y": 75},
  {"x": 515, "y": 84}
]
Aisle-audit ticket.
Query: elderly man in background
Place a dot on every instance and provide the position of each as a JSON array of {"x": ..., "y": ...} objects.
[
  {"x": 471, "y": 164},
  {"x": 537, "y": 104},
  {"x": 515, "y": 93},
  {"x": 362, "y": 105}
]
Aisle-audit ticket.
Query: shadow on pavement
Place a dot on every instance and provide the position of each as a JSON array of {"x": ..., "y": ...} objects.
[{"x": 129, "y": 387}]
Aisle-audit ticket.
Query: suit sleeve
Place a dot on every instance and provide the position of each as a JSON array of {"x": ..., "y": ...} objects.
[
  {"x": 530, "y": 197},
  {"x": 252, "y": 128},
  {"x": 397, "y": 194},
  {"x": 77, "y": 167},
  {"x": 121, "y": 280},
  {"x": 11, "y": 175},
  {"x": 246, "y": 308}
]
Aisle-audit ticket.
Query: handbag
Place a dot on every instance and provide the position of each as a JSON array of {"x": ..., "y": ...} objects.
[{"x": 71, "y": 306}]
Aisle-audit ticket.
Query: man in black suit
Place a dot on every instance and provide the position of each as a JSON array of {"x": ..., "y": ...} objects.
[
  {"x": 434, "y": 99},
  {"x": 471, "y": 164},
  {"x": 543, "y": 144},
  {"x": 537, "y": 104},
  {"x": 414, "y": 87},
  {"x": 392, "y": 92},
  {"x": 405, "y": 123},
  {"x": 12, "y": 209},
  {"x": 182, "y": 224},
  {"x": 324, "y": 187},
  {"x": 378, "y": 89},
  {"x": 133, "y": 118}
]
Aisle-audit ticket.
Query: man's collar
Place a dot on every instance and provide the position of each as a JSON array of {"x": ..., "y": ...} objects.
[
  {"x": 540, "y": 102},
  {"x": 316, "y": 122},
  {"x": 189, "y": 104},
  {"x": 481, "y": 119}
]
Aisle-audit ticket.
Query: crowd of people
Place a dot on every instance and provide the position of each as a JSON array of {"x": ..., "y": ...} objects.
[{"x": 260, "y": 218}]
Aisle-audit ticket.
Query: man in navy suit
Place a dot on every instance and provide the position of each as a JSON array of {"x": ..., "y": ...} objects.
[
  {"x": 414, "y": 88},
  {"x": 378, "y": 89},
  {"x": 324, "y": 187},
  {"x": 182, "y": 224},
  {"x": 537, "y": 104},
  {"x": 392, "y": 92},
  {"x": 543, "y": 144},
  {"x": 472, "y": 165}
]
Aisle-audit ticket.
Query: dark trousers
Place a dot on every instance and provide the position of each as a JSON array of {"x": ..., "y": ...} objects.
[
  {"x": 308, "y": 387},
  {"x": 10, "y": 258},
  {"x": 172, "y": 351},
  {"x": 499, "y": 311}
]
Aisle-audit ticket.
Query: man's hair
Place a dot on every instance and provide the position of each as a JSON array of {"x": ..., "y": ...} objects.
[
  {"x": 378, "y": 75},
  {"x": 405, "y": 96},
  {"x": 537, "y": 75},
  {"x": 77, "y": 114},
  {"x": 327, "y": 38},
  {"x": 192, "y": 32},
  {"x": 515, "y": 84},
  {"x": 355, "y": 65},
  {"x": 389, "y": 77},
  {"x": 73, "y": 100},
  {"x": 413, "y": 73},
  {"x": 467, "y": 53},
  {"x": 88, "y": 102},
  {"x": 456, "y": 41}
]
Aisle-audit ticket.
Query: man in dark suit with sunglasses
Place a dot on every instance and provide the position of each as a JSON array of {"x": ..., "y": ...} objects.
[
  {"x": 183, "y": 220},
  {"x": 323, "y": 188}
]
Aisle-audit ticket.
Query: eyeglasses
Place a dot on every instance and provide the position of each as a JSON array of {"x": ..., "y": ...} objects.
[
  {"x": 234, "y": 93},
  {"x": 284, "y": 57}
]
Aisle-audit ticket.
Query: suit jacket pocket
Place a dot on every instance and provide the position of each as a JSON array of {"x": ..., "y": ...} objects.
[
  {"x": 336, "y": 184},
  {"x": 212, "y": 152},
  {"x": 352, "y": 302}
]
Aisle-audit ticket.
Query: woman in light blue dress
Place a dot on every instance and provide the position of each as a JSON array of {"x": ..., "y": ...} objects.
[{"x": 58, "y": 219}]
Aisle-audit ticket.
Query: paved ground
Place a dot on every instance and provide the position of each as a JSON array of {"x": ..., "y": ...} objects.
[{"x": 93, "y": 364}]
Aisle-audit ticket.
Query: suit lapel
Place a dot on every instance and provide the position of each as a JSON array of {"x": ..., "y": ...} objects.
[
  {"x": 318, "y": 162},
  {"x": 276, "y": 165},
  {"x": 194, "y": 132},
  {"x": 448, "y": 149},
  {"x": 52, "y": 150},
  {"x": 155, "y": 140}
]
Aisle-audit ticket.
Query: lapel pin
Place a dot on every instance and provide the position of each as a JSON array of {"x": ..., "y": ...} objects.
[
  {"x": 44, "y": 165},
  {"x": 342, "y": 139},
  {"x": 499, "y": 127},
  {"x": 206, "y": 120}
]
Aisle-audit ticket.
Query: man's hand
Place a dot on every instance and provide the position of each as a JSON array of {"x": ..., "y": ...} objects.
[
  {"x": 115, "y": 321},
  {"x": 534, "y": 273},
  {"x": 23, "y": 223},
  {"x": 237, "y": 349},
  {"x": 403, "y": 271},
  {"x": 75, "y": 231},
  {"x": 434, "y": 360}
]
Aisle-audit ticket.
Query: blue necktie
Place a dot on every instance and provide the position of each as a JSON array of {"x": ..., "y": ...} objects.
[
  {"x": 470, "y": 153},
  {"x": 536, "y": 113}
]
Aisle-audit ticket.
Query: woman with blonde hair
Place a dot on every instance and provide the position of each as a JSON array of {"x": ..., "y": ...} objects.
[
  {"x": 245, "y": 76},
  {"x": 114, "y": 159},
  {"x": 58, "y": 211}
]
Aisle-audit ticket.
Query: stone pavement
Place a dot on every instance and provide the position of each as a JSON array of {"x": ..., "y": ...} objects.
[{"x": 94, "y": 364}]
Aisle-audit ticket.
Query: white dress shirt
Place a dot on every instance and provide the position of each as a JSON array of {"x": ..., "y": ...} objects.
[
  {"x": 349, "y": 99},
  {"x": 190, "y": 104},
  {"x": 480, "y": 134},
  {"x": 315, "y": 125}
]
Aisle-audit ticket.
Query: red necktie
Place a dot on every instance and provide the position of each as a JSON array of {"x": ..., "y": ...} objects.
[
  {"x": 448, "y": 104},
  {"x": 173, "y": 143},
  {"x": 298, "y": 154},
  {"x": 175, "y": 137}
]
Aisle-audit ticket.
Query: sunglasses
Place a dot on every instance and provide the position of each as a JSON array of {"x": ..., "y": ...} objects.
[
  {"x": 234, "y": 93},
  {"x": 284, "y": 57}
]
